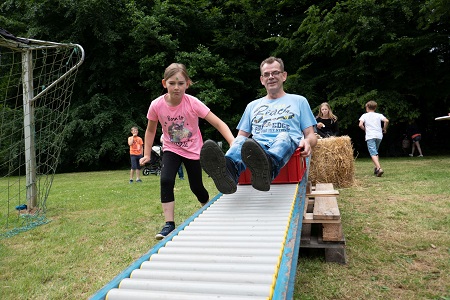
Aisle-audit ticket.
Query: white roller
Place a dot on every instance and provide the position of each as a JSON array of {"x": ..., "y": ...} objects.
[
  {"x": 263, "y": 260},
  {"x": 230, "y": 238},
  {"x": 276, "y": 224},
  {"x": 250, "y": 198},
  {"x": 247, "y": 278},
  {"x": 253, "y": 222},
  {"x": 213, "y": 267},
  {"x": 237, "y": 205},
  {"x": 206, "y": 226},
  {"x": 247, "y": 222},
  {"x": 208, "y": 232},
  {"x": 251, "y": 201},
  {"x": 216, "y": 207},
  {"x": 223, "y": 288},
  {"x": 246, "y": 215},
  {"x": 124, "y": 294},
  {"x": 212, "y": 244},
  {"x": 252, "y": 212},
  {"x": 221, "y": 251}
]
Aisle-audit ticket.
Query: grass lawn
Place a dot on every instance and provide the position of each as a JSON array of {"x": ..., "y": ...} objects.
[{"x": 397, "y": 229}]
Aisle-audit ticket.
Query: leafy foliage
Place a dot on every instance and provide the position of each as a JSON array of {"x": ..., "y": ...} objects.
[{"x": 346, "y": 53}]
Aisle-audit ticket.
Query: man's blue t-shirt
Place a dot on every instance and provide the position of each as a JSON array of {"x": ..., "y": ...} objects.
[{"x": 265, "y": 118}]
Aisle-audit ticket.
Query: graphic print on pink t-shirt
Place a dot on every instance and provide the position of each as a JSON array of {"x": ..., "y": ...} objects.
[{"x": 178, "y": 133}]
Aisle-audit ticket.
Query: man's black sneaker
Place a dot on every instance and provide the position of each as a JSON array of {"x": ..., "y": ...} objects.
[
  {"x": 168, "y": 228},
  {"x": 214, "y": 163},
  {"x": 259, "y": 163}
]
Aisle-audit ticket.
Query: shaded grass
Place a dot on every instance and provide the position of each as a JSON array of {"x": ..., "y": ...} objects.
[{"x": 396, "y": 227}]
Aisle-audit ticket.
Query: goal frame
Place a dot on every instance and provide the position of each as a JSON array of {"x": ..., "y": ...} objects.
[{"x": 26, "y": 47}]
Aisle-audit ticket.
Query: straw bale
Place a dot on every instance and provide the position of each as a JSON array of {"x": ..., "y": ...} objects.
[{"x": 332, "y": 162}]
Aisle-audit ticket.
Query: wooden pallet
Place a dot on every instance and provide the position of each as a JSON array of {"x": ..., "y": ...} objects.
[{"x": 322, "y": 227}]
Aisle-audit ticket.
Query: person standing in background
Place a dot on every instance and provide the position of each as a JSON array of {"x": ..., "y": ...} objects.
[
  {"x": 136, "y": 152},
  {"x": 327, "y": 124},
  {"x": 370, "y": 122},
  {"x": 414, "y": 133}
]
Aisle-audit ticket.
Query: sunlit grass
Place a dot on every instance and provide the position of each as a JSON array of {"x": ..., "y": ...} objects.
[
  {"x": 396, "y": 228},
  {"x": 397, "y": 233}
]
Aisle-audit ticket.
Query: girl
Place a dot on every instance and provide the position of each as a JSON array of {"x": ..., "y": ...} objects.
[
  {"x": 178, "y": 114},
  {"x": 326, "y": 121}
]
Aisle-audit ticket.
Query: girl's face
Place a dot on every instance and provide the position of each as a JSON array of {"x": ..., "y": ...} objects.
[
  {"x": 176, "y": 86},
  {"x": 324, "y": 109}
]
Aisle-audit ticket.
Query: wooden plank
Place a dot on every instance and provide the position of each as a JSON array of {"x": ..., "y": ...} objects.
[
  {"x": 317, "y": 243},
  {"x": 332, "y": 232},
  {"x": 308, "y": 218},
  {"x": 323, "y": 193},
  {"x": 326, "y": 208},
  {"x": 309, "y": 187},
  {"x": 324, "y": 186},
  {"x": 322, "y": 189},
  {"x": 308, "y": 206},
  {"x": 306, "y": 233}
]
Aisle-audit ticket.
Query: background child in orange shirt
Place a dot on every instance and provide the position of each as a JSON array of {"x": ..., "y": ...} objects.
[{"x": 136, "y": 153}]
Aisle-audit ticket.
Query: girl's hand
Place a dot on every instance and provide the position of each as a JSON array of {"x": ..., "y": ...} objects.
[{"x": 145, "y": 159}]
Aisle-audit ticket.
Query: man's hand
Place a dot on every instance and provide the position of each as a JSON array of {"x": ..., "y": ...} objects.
[{"x": 305, "y": 148}]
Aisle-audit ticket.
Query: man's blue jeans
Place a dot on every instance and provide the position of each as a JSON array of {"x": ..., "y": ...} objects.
[{"x": 280, "y": 150}]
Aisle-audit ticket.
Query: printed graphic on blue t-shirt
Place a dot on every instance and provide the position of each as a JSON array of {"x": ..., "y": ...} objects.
[{"x": 270, "y": 119}]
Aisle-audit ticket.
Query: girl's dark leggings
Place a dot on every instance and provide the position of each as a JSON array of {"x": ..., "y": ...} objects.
[{"x": 170, "y": 164}]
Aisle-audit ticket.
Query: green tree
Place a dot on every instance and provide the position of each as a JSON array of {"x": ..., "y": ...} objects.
[
  {"x": 395, "y": 52},
  {"x": 346, "y": 53}
]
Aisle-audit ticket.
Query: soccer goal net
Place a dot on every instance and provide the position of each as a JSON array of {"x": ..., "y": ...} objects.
[{"x": 36, "y": 84}]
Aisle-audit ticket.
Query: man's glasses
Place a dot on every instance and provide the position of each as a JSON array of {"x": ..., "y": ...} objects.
[{"x": 273, "y": 74}]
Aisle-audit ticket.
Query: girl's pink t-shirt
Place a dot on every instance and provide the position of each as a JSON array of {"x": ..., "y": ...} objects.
[{"x": 180, "y": 125}]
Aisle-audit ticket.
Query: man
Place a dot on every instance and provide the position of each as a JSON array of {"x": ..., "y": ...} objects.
[{"x": 279, "y": 123}]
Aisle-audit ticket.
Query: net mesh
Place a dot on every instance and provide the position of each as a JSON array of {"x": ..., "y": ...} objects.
[{"x": 36, "y": 84}]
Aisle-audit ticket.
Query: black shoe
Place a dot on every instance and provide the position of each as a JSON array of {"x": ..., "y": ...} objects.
[
  {"x": 380, "y": 172},
  {"x": 168, "y": 228},
  {"x": 259, "y": 163},
  {"x": 214, "y": 163},
  {"x": 375, "y": 171}
]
